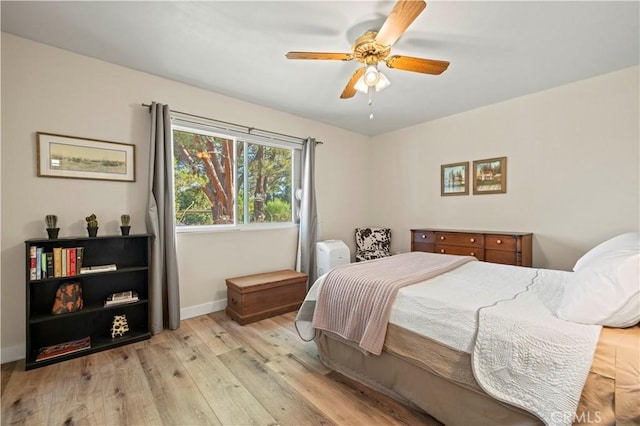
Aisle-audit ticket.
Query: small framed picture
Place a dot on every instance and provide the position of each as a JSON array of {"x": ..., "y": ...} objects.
[
  {"x": 71, "y": 157},
  {"x": 454, "y": 179},
  {"x": 490, "y": 176}
]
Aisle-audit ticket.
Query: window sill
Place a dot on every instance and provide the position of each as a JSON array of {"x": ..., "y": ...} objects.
[{"x": 231, "y": 228}]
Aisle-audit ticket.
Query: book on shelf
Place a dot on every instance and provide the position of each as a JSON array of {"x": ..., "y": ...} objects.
[
  {"x": 121, "y": 298},
  {"x": 122, "y": 295},
  {"x": 72, "y": 261},
  {"x": 49, "y": 265},
  {"x": 32, "y": 262},
  {"x": 98, "y": 268},
  {"x": 79, "y": 254},
  {"x": 64, "y": 263},
  {"x": 120, "y": 302},
  {"x": 63, "y": 349},
  {"x": 43, "y": 265},
  {"x": 39, "y": 263},
  {"x": 57, "y": 262}
]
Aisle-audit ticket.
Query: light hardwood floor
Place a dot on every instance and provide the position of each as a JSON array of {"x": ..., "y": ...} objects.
[{"x": 209, "y": 371}]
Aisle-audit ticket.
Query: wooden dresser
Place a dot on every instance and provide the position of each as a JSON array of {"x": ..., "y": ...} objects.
[{"x": 510, "y": 248}]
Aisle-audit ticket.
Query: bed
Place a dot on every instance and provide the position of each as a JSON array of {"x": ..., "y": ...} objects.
[{"x": 472, "y": 342}]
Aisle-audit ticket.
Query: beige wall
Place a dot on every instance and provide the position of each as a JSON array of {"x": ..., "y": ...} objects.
[
  {"x": 51, "y": 90},
  {"x": 572, "y": 168}
]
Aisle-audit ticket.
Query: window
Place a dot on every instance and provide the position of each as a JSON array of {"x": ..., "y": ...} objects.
[{"x": 228, "y": 179}]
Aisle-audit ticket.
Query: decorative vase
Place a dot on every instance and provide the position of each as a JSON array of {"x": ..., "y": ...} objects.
[
  {"x": 53, "y": 233},
  {"x": 93, "y": 230},
  {"x": 125, "y": 229}
]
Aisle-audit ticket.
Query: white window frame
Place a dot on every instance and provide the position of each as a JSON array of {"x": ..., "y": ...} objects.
[{"x": 246, "y": 138}]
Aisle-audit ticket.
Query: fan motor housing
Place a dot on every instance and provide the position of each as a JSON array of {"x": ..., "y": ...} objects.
[{"x": 367, "y": 51}]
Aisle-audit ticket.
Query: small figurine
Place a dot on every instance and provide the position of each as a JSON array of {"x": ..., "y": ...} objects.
[{"x": 120, "y": 326}]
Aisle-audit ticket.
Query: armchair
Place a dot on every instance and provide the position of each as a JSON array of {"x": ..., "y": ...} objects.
[{"x": 372, "y": 243}]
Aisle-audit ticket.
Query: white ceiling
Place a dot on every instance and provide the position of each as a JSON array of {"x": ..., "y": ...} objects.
[{"x": 497, "y": 50}]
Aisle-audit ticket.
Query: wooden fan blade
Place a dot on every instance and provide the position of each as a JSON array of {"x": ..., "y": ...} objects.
[
  {"x": 425, "y": 66},
  {"x": 402, "y": 15},
  {"x": 350, "y": 89},
  {"x": 320, "y": 55}
]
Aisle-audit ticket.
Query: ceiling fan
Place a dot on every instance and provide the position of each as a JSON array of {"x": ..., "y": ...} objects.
[{"x": 374, "y": 47}]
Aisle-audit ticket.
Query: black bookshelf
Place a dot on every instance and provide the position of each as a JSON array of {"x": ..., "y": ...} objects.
[{"x": 130, "y": 254}]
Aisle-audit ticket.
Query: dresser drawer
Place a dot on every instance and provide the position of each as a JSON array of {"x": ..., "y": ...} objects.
[
  {"x": 460, "y": 239},
  {"x": 460, "y": 251},
  {"x": 422, "y": 240},
  {"x": 424, "y": 237},
  {"x": 501, "y": 256},
  {"x": 422, "y": 247},
  {"x": 500, "y": 242}
]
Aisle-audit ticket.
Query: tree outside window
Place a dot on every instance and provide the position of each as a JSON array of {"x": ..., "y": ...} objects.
[{"x": 223, "y": 180}]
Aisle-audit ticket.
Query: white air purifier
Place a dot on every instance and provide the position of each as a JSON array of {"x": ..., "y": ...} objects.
[{"x": 329, "y": 254}]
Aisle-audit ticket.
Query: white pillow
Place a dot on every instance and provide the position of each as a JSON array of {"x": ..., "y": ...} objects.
[
  {"x": 628, "y": 243},
  {"x": 604, "y": 292}
]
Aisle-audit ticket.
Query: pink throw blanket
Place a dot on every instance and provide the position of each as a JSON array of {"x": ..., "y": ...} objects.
[{"x": 355, "y": 300}]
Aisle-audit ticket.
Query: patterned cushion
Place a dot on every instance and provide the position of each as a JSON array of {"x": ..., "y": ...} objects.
[
  {"x": 372, "y": 254},
  {"x": 372, "y": 243}
]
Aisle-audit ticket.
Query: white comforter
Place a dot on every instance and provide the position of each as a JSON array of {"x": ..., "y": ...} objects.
[
  {"x": 445, "y": 308},
  {"x": 505, "y": 317}
]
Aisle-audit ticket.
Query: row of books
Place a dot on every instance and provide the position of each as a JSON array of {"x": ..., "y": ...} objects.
[
  {"x": 98, "y": 268},
  {"x": 121, "y": 298},
  {"x": 61, "y": 262}
]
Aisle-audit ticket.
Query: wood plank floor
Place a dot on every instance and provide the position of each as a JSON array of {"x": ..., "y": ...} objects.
[{"x": 209, "y": 371}]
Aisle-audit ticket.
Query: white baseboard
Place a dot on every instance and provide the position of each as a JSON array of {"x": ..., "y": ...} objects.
[
  {"x": 12, "y": 353},
  {"x": 16, "y": 352},
  {"x": 205, "y": 308}
]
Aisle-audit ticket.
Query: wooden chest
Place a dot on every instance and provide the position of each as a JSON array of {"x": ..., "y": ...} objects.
[
  {"x": 254, "y": 297},
  {"x": 510, "y": 248}
]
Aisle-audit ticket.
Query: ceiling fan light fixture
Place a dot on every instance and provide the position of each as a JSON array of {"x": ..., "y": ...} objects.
[
  {"x": 361, "y": 86},
  {"x": 383, "y": 82},
  {"x": 371, "y": 75}
]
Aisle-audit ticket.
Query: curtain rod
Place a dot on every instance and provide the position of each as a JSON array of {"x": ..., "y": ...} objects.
[{"x": 249, "y": 129}]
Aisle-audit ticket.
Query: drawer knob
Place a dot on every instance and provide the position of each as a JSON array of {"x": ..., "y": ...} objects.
[
  {"x": 441, "y": 250},
  {"x": 234, "y": 301},
  {"x": 472, "y": 254},
  {"x": 424, "y": 237},
  {"x": 473, "y": 240},
  {"x": 499, "y": 242},
  {"x": 442, "y": 238}
]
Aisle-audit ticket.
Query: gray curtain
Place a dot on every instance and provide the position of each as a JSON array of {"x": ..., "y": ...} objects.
[
  {"x": 164, "y": 296},
  {"x": 306, "y": 261}
]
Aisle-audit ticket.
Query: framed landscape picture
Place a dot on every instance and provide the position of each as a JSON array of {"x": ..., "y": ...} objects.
[
  {"x": 490, "y": 176},
  {"x": 454, "y": 179},
  {"x": 71, "y": 157}
]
